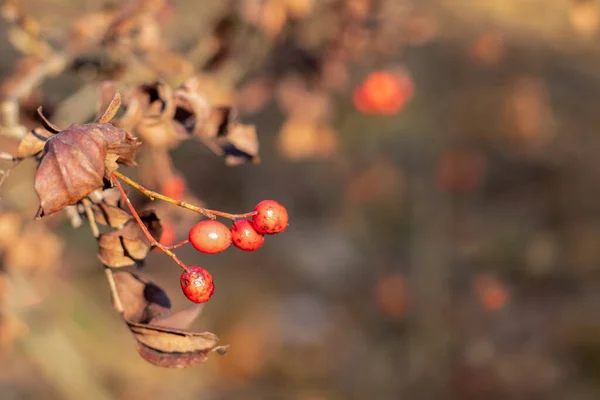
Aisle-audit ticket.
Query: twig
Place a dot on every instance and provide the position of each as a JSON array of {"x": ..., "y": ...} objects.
[
  {"x": 176, "y": 245},
  {"x": 153, "y": 242},
  {"x": 212, "y": 214},
  {"x": 113, "y": 290},
  {"x": 91, "y": 218}
]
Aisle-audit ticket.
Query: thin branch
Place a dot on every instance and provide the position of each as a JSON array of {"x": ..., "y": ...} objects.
[
  {"x": 91, "y": 218},
  {"x": 137, "y": 218},
  {"x": 212, "y": 214},
  {"x": 176, "y": 245},
  {"x": 113, "y": 290}
]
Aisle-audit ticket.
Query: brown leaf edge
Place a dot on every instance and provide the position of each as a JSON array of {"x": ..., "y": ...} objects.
[{"x": 138, "y": 300}]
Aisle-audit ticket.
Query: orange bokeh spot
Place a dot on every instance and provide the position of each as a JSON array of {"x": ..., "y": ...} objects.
[
  {"x": 169, "y": 234},
  {"x": 383, "y": 93},
  {"x": 491, "y": 292},
  {"x": 174, "y": 187}
]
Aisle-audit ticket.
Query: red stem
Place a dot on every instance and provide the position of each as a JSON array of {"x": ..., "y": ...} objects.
[
  {"x": 137, "y": 218},
  {"x": 176, "y": 245}
]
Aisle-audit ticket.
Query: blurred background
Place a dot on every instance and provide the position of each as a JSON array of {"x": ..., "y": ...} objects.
[{"x": 439, "y": 160}]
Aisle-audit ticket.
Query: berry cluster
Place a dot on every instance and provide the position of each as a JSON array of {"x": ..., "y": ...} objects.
[{"x": 211, "y": 237}]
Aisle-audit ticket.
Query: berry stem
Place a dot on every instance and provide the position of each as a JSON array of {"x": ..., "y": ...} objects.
[
  {"x": 176, "y": 245},
  {"x": 212, "y": 214},
  {"x": 155, "y": 195},
  {"x": 137, "y": 218}
]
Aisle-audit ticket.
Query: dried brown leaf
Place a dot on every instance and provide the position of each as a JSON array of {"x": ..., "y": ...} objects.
[
  {"x": 128, "y": 245},
  {"x": 113, "y": 216},
  {"x": 32, "y": 143},
  {"x": 193, "y": 111},
  {"x": 111, "y": 109},
  {"x": 172, "y": 340},
  {"x": 226, "y": 137},
  {"x": 149, "y": 112},
  {"x": 179, "y": 320},
  {"x": 76, "y": 161},
  {"x": 177, "y": 360},
  {"x": 161, "y": 345},
  {"x": 141, "y": 299}
]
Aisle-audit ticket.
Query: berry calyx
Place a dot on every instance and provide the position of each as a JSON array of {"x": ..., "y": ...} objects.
[
  {"x": 197, "y": 284},
  {"x": 270, "y": 218},
  {"x": 210, "y": 236},
  {"x": 245, "y": 237}
]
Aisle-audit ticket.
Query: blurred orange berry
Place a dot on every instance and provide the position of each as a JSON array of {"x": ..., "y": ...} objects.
[
  {"x": 383, "y": 93},
  {"x": 168, "y": 235},
  {"x": 174, "y": 187},
  {"x": 491, "y": 292}
]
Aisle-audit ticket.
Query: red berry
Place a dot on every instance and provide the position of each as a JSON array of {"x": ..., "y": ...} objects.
[
  {"x": 197, "y": 284},
  {"x": 245, "y": 237},
  {"x": 210, "y": 236},
  {"x": 271, "y": 217}
]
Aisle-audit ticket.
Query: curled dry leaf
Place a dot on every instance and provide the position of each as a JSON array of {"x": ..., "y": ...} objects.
[
  {"x": 149, "y": 114},
  {"x": 76, "y": 161},
  {"x": 159, "y": 340},
  {"x": 32, "y": 143},
  {"x": 193, "y": 111},
  {"x": 128, "y": 245},
  {"x": 225, "y": 136},
  {"x": 110, "y": 211}
]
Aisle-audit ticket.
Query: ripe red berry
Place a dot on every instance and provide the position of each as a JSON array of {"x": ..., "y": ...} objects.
[
  {"x": 197, "y": 284},
  {"x": 271, "y": 217},
  {"x": 245, "y": 237},
  {"x": 210, "y": 236}
]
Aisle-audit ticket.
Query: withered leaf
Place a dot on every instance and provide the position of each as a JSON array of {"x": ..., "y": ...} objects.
[
  {"x": 32, "y": 143},
  {"x": 240, "y": 145},
  {"x": 177, "y": 360},
  {"x": 128, "y": 245},
  {"x": 111, "y": 109},
  {"x": 226, "y": 137},
  {"x": 110, "y": 215},
  {"x": 179, "y": 320},
  {"x": 141, "y": 299},
  {"x": 143, "y": 303},
  {"x": 76, "y": 161},
  {"x": 192, "y": 111},
  {"x": 170, "y": 339},
  {"x": 150, "y": 111},
  {"x": 110, "y": 210}
]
